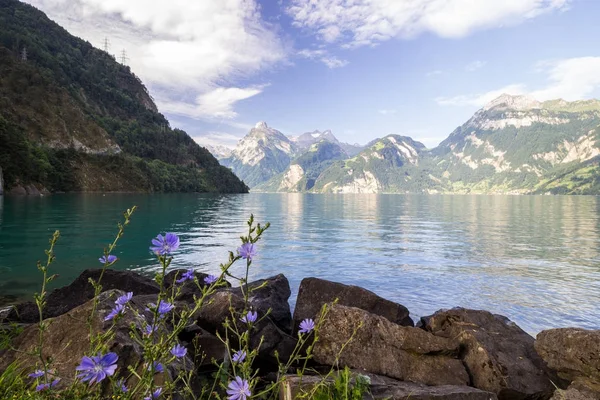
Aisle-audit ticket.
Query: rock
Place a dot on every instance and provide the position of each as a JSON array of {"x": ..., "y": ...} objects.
[
  {"x": 389, "y": 389},
  {"x": 202, "y": 346},
  {"x": 32, "y": 190},
  {"x": 80, "y": 291},
  {"x": 189, "y": 289},
  {"x": 572, "y": 352},
  {"x": 314, "y": 292},
  {"x": 273, "y": 295},
  {"x": 66, "y": 341},
  {"x": 580, "y": 389},
  {"x": 214, "y": 313},
  {"x": 499, "y": 355},
  {"x": 385, "y": 348},
  {"x": 18, "y": 191}
]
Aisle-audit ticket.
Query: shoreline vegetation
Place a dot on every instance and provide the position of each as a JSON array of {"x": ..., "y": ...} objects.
[{"x": 187, "y": 335}]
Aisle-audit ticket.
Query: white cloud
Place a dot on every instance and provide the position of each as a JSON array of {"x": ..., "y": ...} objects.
[
  {"x": 387, "y": 112},
  {"x": 569, "y": 79},
  {"x": 367, "y": 22},
  {"x": 433, "y": 73},
  {"x": 334, "y": 62},
  {"x": 215, "y": 138},
  {"x": 323, "y": 56},
  {"x": 179, "y": 46},
  {"x": 217, "y": 103},
  {"x": 479, "y": 99},
  {"x": 475, "y": 65}
]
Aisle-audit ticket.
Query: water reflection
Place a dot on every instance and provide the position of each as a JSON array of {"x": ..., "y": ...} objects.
[{"x": 533, "y": 258}]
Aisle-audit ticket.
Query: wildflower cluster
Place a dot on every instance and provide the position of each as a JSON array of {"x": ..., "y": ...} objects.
[{"x": 155, "y": 329}]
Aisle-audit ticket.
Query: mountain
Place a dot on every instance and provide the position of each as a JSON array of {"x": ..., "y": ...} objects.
[
  {"x": 514, "y": 144},
  {"x": 517, "y": 144},
  {"x": 304, "y": 170},
  {"x": 219, "y": 151},
  {"x": 304, "y": 141},
  {"x": 73, "y": 119},
  {"x": 260, "y": 155},
  {"x": 392, "y": 164}
]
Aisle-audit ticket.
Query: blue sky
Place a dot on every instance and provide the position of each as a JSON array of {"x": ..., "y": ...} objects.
[{"x": 362, "y": 68}]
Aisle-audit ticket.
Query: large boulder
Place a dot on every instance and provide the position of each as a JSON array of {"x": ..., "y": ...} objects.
[
  {"x": 218, "y": 309},
  {"x": 67, "y": 340},
  {"x": 80, "y": 291},
  {"x": 385, "y": 348},
  {"x": 314, "y": 292},
  {"x": 499, "y": 356},
  {"x": 271, "y": 294},
  {"x": 382, "y": 388},
  {"x": 572, "y": 352}
]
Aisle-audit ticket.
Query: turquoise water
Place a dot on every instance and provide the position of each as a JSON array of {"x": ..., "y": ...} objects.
[{"x": 533, "y": 258}]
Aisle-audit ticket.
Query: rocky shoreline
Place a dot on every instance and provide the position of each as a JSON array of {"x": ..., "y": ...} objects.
[{"x": 456, "y": 354}]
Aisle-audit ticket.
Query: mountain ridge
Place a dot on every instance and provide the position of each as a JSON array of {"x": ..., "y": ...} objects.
[
  {"x": 73, "y": 119},
  {"x": 513, "y": 144}
]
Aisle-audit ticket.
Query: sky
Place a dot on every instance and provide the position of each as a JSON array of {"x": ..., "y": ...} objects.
[{"x": 361, "y": 68}]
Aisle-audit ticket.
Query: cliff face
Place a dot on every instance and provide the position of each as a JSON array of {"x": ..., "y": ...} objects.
[{"x": 73, "y": 119}]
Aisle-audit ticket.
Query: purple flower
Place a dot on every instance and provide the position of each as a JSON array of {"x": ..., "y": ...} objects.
[
  {"x": 239, "y": 356},
  {"x": 155, "y": 395},
  {"x": 306, "y": 326},
  {"x": 238, "y": 389},
  {"x": 250, "y": 317},
  {"x": 111, "y": 259},
  {"x": 165, "y": 244},
  {"x": 158, "y": 367},
  {"x": 179, "y": 351},
  {"x": 122, "y": 386},
  {"x": 96, "y": 368},
  {"x": 44, "y": 386},
  {"x": 210, "y": 279},
  {"x": 36, "y": 374},
  {"x": 163, "y": 307},
  {"x": 149, "y": 330},
  {"x": 122, "y": 300},
  {"x": 114, "y": 312},
  {"x": 186, "y": 276},
  {"x": 247, "y": 251}
]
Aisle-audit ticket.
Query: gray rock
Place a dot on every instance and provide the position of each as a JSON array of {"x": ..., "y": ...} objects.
[
  {"x": 385, "y": 348},
  {"x": 271, "y": 293},
  {"x": 572, "y": 352},
  {"x": 80, "y": 291},
  {"x": 189, "y": 289},
  {"x": 499, "y": 355},
  {"x": 66, "y": 341},
  {"x": 218, "y": 309},
  {"x": 389, "y": 389},
  {"x": 580, "y": 389},
  {"x": 314, "y": 292}
]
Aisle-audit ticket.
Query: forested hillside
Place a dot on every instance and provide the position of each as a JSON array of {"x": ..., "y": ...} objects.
[{"x": 74, "y": 119}]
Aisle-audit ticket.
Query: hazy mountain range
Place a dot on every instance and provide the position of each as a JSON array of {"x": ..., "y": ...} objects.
[{"x": 514, "y": 144}]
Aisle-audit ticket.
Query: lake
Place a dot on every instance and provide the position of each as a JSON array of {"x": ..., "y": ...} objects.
[{"x": 534, "y": 259}]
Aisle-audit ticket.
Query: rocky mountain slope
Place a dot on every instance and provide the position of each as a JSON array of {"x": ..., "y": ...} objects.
[
  {"x": 514, "y": 144},
  {"x": 260, "y": 155},
  {"x": 391, "y": 164},
  {"x": 517, "y": 144},
  {"x": 73, "y": 119},
  {"x": 304, "y": 170}
]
